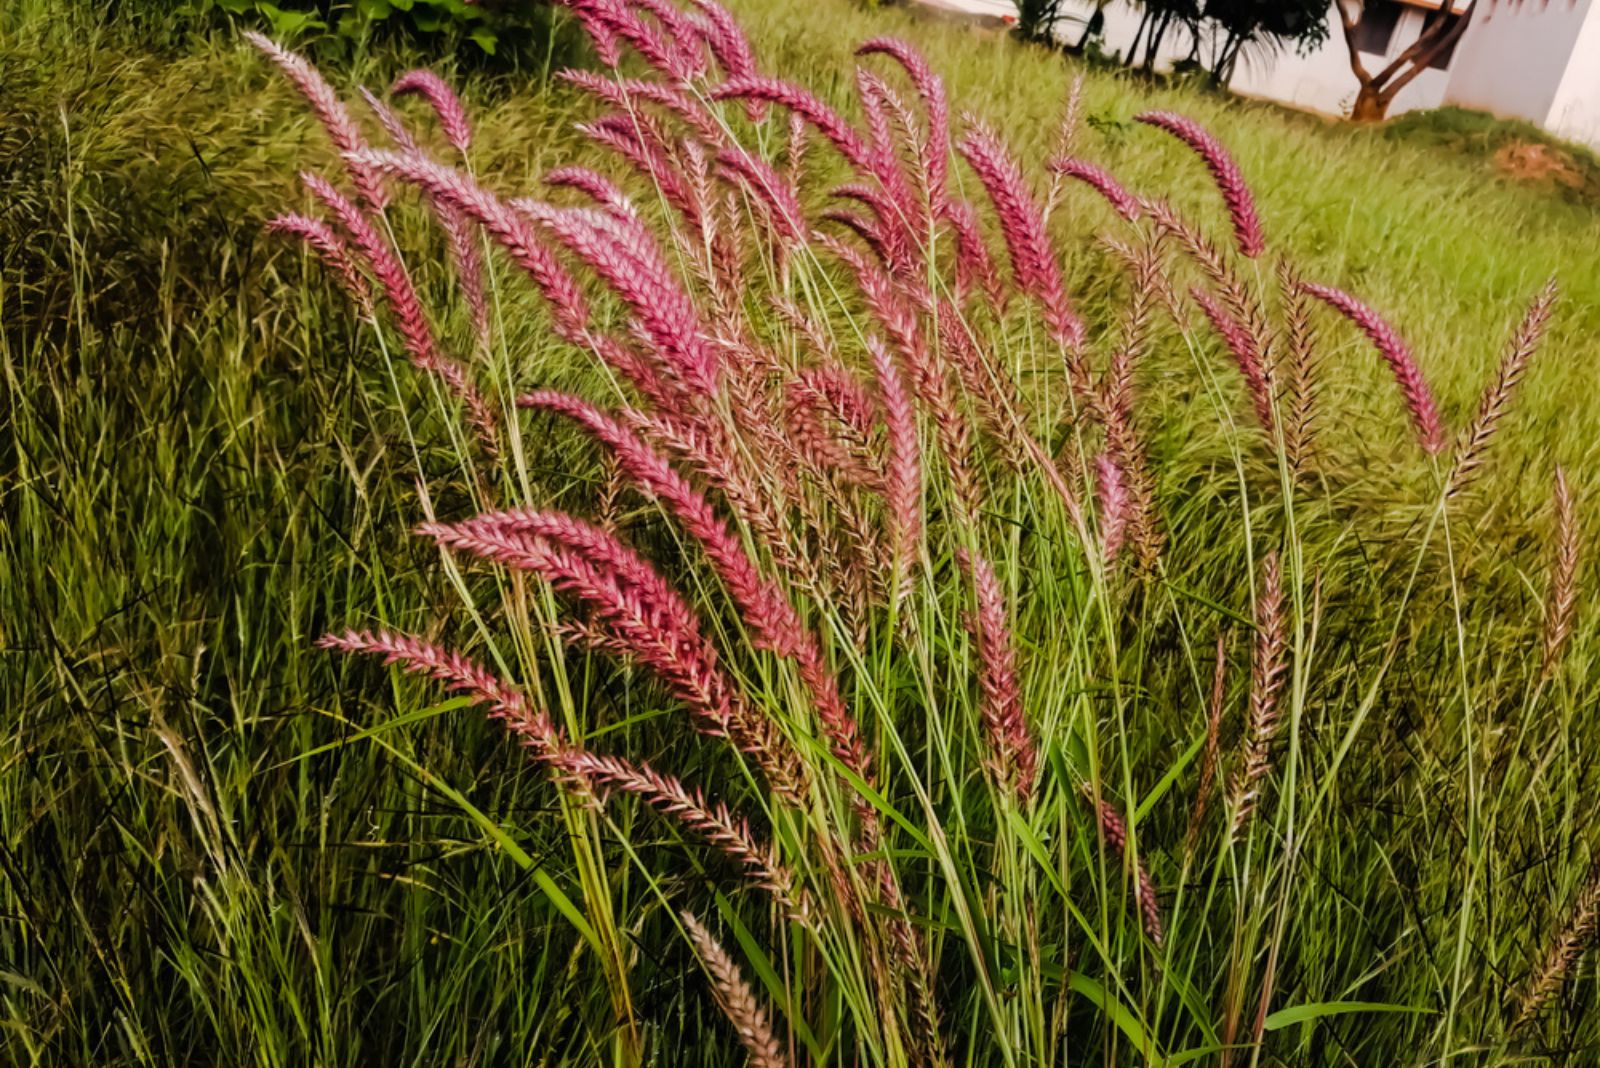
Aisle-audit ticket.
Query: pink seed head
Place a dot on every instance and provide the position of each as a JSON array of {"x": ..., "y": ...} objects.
[
  {"x": 513, "y": 233},
  {"x": 322, "y": 239},
  {"x": 1033, "y": 258},
  {"x": 330, "y": 111},
  {"x": 1101, "y": 181},
  {"x": 726, "y": 39},
  {"x": 936, "y": 108},
  {"x": 1224, "y": 171},
  {"x": 802, "y": 101},
  {"x": 444, "y": 101},
  {"x": 1413, "y": 387},
  {"x": 1246, "y": 353},
  {"x": 1113, "y": 498}
]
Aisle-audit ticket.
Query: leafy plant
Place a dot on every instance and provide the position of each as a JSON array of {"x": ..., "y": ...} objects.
[{"x": 450, "y": 19}]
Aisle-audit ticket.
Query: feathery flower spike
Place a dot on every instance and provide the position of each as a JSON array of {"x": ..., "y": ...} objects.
[
  {"x": 460, "y": 675},
  {"x": 328, "y": 245},
  {"x": 1267, "y": 668},
  {"x": 715, "y": 823},
  {"x": 1100, "y": 180},
  {"x": 1242, "y": 343},
  {"x": 1113, "y": 501},
  {"x": 1015, "y": 758},
  {"x": 1413, "y": 387},
  {"x": 1563, "y": 603},
  {"x": 444, "y": 101},
  {"x": 409, "y": 318},
  {"x": 1115, "y": 830},
  {"x": 330, "y": 111},
  {"x": 1224, "y": 171},
  {"x": 736, "y": 999},
  {"x": 1497, "y": 397},
  {"x": 1033, "y": 258}
]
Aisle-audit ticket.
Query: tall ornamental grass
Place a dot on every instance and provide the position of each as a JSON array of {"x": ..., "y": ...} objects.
[{"x": 995, "y": 721}]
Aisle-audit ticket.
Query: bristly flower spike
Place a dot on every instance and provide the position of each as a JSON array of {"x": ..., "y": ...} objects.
[
  {"x": 1247, "y": 354},
  {"x": 409, "y": 318},
  {"x": 1497, "y": 397},
  {"x": 1224, "y": 171},
  {"x": 936, "y": 109},
  {"x": 1563, "y": 603},
  {"x": 1413, "y": 388},
  {"x": 444, "y": 101},
  {"x": 1113, "y": 503},
  {"x": 327, "y": 244},
  {"x": 330, "y": 111},
  {"x": 1015, "y": 758},
  {"x": 1115, "y": 830},
  {"x": 1033, "y": 257},
  {"x": 459, "y": 674},
  {"x": 736, "y": 999},
  {"x": 1267, "y": 669},
  {"x": 1101, "y": 181}
]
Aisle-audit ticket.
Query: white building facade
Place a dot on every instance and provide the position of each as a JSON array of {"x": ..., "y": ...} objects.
[{"x": 1527, "y": 59}]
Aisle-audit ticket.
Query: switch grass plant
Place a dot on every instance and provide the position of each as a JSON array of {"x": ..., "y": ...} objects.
[{"x": 879, "y": 471}]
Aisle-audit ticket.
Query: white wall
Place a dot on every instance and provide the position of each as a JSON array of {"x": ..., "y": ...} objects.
[
  {"x": 1575, "y": 113},
  {"x": 1518, "y": 60},
  {"x": 1321, "y": 81}
]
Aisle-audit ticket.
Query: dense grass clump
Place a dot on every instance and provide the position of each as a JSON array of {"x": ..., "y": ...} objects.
[{"x": 962, "y": 604}]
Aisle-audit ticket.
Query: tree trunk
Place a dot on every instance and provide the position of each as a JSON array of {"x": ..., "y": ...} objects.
[
  {"x": 1133, "y": 49},
  {"x": 1371, "y": 105},
  {"x": 1222, "y": 70},
  {"x": 1157, "y": 35}
]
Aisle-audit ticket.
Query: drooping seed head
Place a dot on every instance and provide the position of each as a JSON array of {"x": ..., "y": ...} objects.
[
  {"x": 1414, "y": 389},
  {"x": 1224, "y": 171},
  {"x": 1101, "y": 181},
  {"x": 330, "y": 111}
]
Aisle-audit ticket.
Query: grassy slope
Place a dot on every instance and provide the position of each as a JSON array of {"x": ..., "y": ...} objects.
[{"x": 189, "y": 493}]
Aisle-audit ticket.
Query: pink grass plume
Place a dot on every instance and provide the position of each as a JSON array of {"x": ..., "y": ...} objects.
[
  {"x": 803, "y": 102},
  {"x": 1115, "y": 829},
  {"x": 390, "y": 120},
  {"x": 1414, "y": 389},
  {"x": 331, "y": 248},
  {"x": 624, "y": 254},
  {"x": 736, "y": 999},
  {"x": 1224, "y": 171},
  {"x": 1561, "y": 609},
  {"x": 594, "y": 185},
  {"x": 330, "y": 111},
  {"x": 410, "y": 320},
  {"x": 1015, "y": 757},
  {"x": 627, "y": 94},
  {"x": 1101, "y": 181},
  {"x": 766, "y": 611},
  {"x": 1246, "y": 353},
  {"x": 936, "y": 110},
  {"x": 726, "y": 39},
  {"x": 1268, "y": 666},
  {"x": 1496, "y": 399},
  {"x": 509, "y": 229},
  {"x": 1033, "y": 258},
  {"x": 713, "y": 822},
  {"x": 1114, "y": 506},
  {"x": 444, "y": 101},
  {"x": 974, "y": 266},
  {"x": 460, "y": 675},
  {"x": 770, "y": 188}
]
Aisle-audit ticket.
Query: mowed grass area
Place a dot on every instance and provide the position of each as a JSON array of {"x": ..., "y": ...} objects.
[{"x": 221, "y": 846}]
